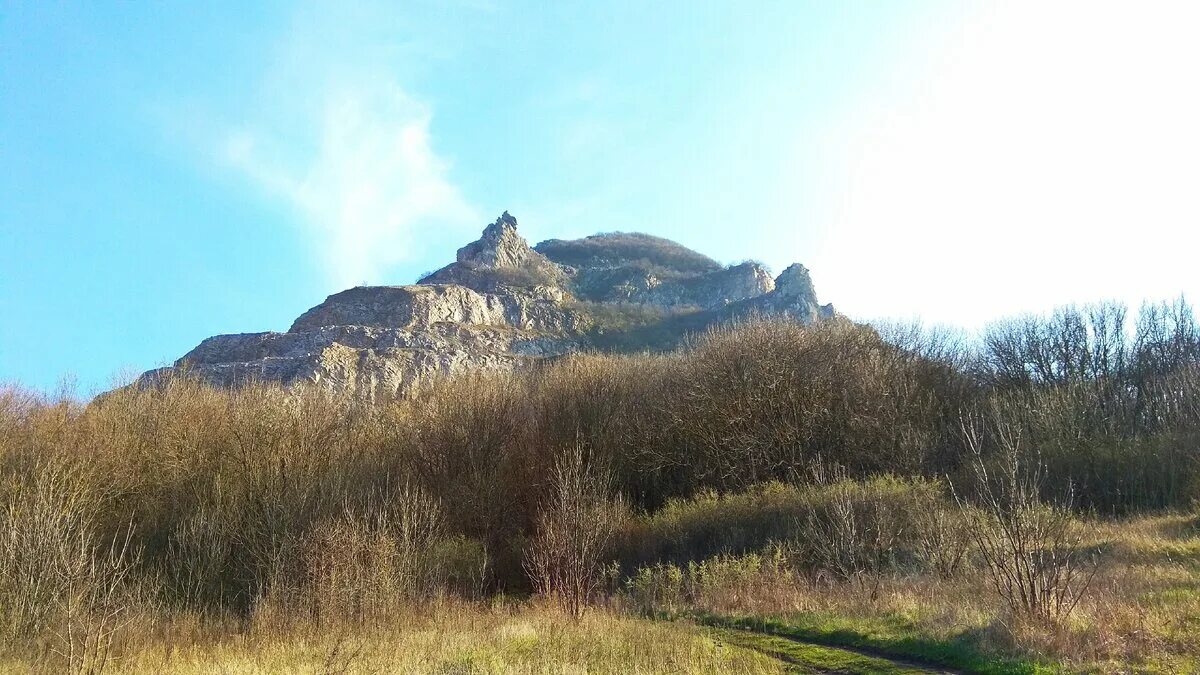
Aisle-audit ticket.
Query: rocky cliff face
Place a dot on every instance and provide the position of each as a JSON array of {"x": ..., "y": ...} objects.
[
  {"x": 500, "y": 259},
  {"x": 793, "y": 296},
  {"x": 501, "y": 305}
]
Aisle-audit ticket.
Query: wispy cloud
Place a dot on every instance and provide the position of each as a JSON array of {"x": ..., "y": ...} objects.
[{"x": 338, "y": 138}]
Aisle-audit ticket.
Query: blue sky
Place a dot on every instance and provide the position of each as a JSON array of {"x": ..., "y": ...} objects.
[{"x": 169, "y": 171}]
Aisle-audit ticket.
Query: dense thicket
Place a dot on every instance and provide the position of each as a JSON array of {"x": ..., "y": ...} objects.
[
  {"x": 219, "y": 500},
  {"x": 1114, "y": 411}
]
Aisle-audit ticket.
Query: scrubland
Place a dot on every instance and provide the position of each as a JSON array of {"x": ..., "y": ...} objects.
[{"x": 1020, "y": 502}]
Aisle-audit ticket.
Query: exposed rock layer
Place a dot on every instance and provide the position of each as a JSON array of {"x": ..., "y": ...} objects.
[{"x": 500, "y": 306}]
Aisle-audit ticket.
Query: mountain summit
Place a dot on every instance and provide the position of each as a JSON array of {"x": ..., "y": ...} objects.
[{"x": 504, "y": 305}]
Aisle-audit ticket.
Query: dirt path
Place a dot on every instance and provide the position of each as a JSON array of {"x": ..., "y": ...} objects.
[{"x": 807, "y": 657}]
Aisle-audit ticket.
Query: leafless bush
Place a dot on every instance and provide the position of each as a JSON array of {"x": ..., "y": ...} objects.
[
  {"x": 367, "y": 560},
  {"x": 853, "y": 530},
  {"x": 199, "y": 548},
  {"x": 372, "y": 559},
  {"x": 1032, "y": 551},
  {"x": 57, "y": 579},
  {"x": 764, "y": 399},
  {"x": 574, "y": 530},
  {"x": 941, "y": 538},
  {"x": 1104, "y": 397},
  {"x": 93, "y": 601},
  {"x": 856, "y": 529}
]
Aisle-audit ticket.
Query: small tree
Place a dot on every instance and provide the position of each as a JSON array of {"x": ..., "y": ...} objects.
[
  {"x": 1032, "y": 550},
  {"x": 574, "y": 530}
]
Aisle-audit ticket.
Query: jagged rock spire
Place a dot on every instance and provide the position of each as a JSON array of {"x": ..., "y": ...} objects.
[
  {"x": 500, "y": 246},
  {"x": 796, "y": 282}
]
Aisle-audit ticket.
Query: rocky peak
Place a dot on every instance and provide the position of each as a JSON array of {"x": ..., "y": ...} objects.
[
  {"x": 754, "y": 278},
  {"x": 793, "y": 296},
  {"x": 796, "y": 282},
  {"x": 499, "y": 259},
  {"x": 503, "y": 305},
  {"x": 500, "y": 246}
]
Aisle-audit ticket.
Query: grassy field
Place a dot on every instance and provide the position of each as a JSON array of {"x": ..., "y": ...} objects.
[
  {"x": 1141, "y": 613},
  {"x": 445, "y": 638}
]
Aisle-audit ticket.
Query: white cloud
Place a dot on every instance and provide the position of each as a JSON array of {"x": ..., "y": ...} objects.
[
  {"x": 335, "y": 135},
  {"x": 372, "y": 180},
  {"x": 1040, "y": 153}
]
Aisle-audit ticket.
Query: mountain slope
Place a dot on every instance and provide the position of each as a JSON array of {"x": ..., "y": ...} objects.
[{"x": 504, "y": 305}]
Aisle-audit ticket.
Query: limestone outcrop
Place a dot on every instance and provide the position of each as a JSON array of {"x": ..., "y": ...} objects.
[
  {"x": 501, "y": 305},
  {"x": 793, "y": 296}
]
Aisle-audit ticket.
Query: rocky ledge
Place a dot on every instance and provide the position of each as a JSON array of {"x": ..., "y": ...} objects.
[{"x": 501, "y": 305}]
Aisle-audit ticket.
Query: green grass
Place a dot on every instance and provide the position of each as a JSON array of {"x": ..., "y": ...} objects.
[
  {"x": 810, "y": 658},
  {"x": 890, "y": 636}
]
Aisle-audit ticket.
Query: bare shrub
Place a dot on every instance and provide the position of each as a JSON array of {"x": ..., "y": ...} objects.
[
  {"x": 368, "y": 560},
  {"x": 58, "y": 580},
  {"x": 199, "y": 548},
  {"x": 573, "y": 533},
  {"x": 940, "y": 537},
  {"x": 374, "y": 558},
  {"x": 764, "y": 399},
  {"x": 93, "y": 601},
  {"x": 847, "y": 537},
  {"x": 1104, "y": 396},
  {"x": 1032, "y": 550},
  {"x": 727, "y": 580}
]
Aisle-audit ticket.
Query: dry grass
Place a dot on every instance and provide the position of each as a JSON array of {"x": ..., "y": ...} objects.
[
  {"x": 1141, "y": 612},
  {"x": 441, "y": 638}
]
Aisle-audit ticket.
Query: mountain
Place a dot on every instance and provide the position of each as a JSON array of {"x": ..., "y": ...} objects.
[{"x": 504, "y": 305}]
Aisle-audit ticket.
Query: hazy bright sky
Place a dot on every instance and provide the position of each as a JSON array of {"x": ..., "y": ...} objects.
[{"x": 169, "y": 171}]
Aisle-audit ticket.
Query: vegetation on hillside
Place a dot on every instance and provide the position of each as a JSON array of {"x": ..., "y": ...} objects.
[
  {"x": 1030, "y": 499},
  {"x": 493, "y": 278},
  {"x": 612, "y": 248}
]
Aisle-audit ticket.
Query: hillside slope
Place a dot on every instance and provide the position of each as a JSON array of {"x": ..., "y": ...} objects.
[{"x": 503, "y": 305}]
